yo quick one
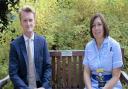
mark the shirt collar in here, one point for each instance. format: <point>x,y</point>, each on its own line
<point>104,42</point>
<point>26,38</point>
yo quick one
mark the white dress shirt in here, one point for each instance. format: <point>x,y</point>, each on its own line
<point>31,43</point>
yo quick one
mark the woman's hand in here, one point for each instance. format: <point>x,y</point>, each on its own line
<point>87,79</point>
<point>115,77</point>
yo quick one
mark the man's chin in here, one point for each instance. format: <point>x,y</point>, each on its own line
<point>29,31</point>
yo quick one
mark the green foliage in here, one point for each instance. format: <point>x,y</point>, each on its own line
<point>6,13</point>
<point>65,23</point>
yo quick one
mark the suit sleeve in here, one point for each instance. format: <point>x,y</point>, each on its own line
<point>13,69</point>
<point>46,67</point>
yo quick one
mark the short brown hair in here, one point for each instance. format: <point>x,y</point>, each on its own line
<point>105,27</point>
<point>26,9</point>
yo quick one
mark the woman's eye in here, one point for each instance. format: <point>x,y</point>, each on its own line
<point>99,24</point>
<point>93,25</point>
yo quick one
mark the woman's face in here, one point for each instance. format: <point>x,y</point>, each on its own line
<point>97,29</point>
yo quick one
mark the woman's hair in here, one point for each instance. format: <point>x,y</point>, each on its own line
<point>105,27</point>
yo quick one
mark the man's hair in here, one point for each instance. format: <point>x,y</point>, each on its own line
<point>105,27</point>
<point>26,9</point>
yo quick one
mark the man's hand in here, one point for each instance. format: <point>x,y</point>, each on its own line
<point>40,88</point>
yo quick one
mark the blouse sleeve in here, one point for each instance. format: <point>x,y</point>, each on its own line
<point>117,56</point>
<point>85,60</point>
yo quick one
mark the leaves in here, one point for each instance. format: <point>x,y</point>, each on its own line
<point>65,23</point>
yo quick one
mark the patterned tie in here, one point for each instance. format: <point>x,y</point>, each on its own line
<point>31,67</point>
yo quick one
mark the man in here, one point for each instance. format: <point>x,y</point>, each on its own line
<point>29,60</point>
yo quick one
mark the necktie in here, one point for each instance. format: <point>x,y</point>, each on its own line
<point>31,67</point>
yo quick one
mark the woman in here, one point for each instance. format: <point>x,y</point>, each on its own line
<point>103,58</point>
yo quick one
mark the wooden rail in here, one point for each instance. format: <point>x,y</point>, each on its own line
<point>67,70</point>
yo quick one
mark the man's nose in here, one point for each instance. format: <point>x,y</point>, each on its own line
<point>28,23</point>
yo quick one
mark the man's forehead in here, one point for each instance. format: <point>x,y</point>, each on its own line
<point>27,14</point>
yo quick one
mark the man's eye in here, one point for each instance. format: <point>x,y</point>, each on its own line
<point>25,20</point>
<point>30,20</point>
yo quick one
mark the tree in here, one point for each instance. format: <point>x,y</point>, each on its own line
<point>6,16</point>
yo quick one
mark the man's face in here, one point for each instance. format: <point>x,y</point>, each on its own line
<point>27,21</point>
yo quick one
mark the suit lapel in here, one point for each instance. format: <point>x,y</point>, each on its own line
<point>23,49</point>
<point>36,47</point>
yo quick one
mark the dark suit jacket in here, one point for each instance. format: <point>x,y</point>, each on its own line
<point>18,63</point>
